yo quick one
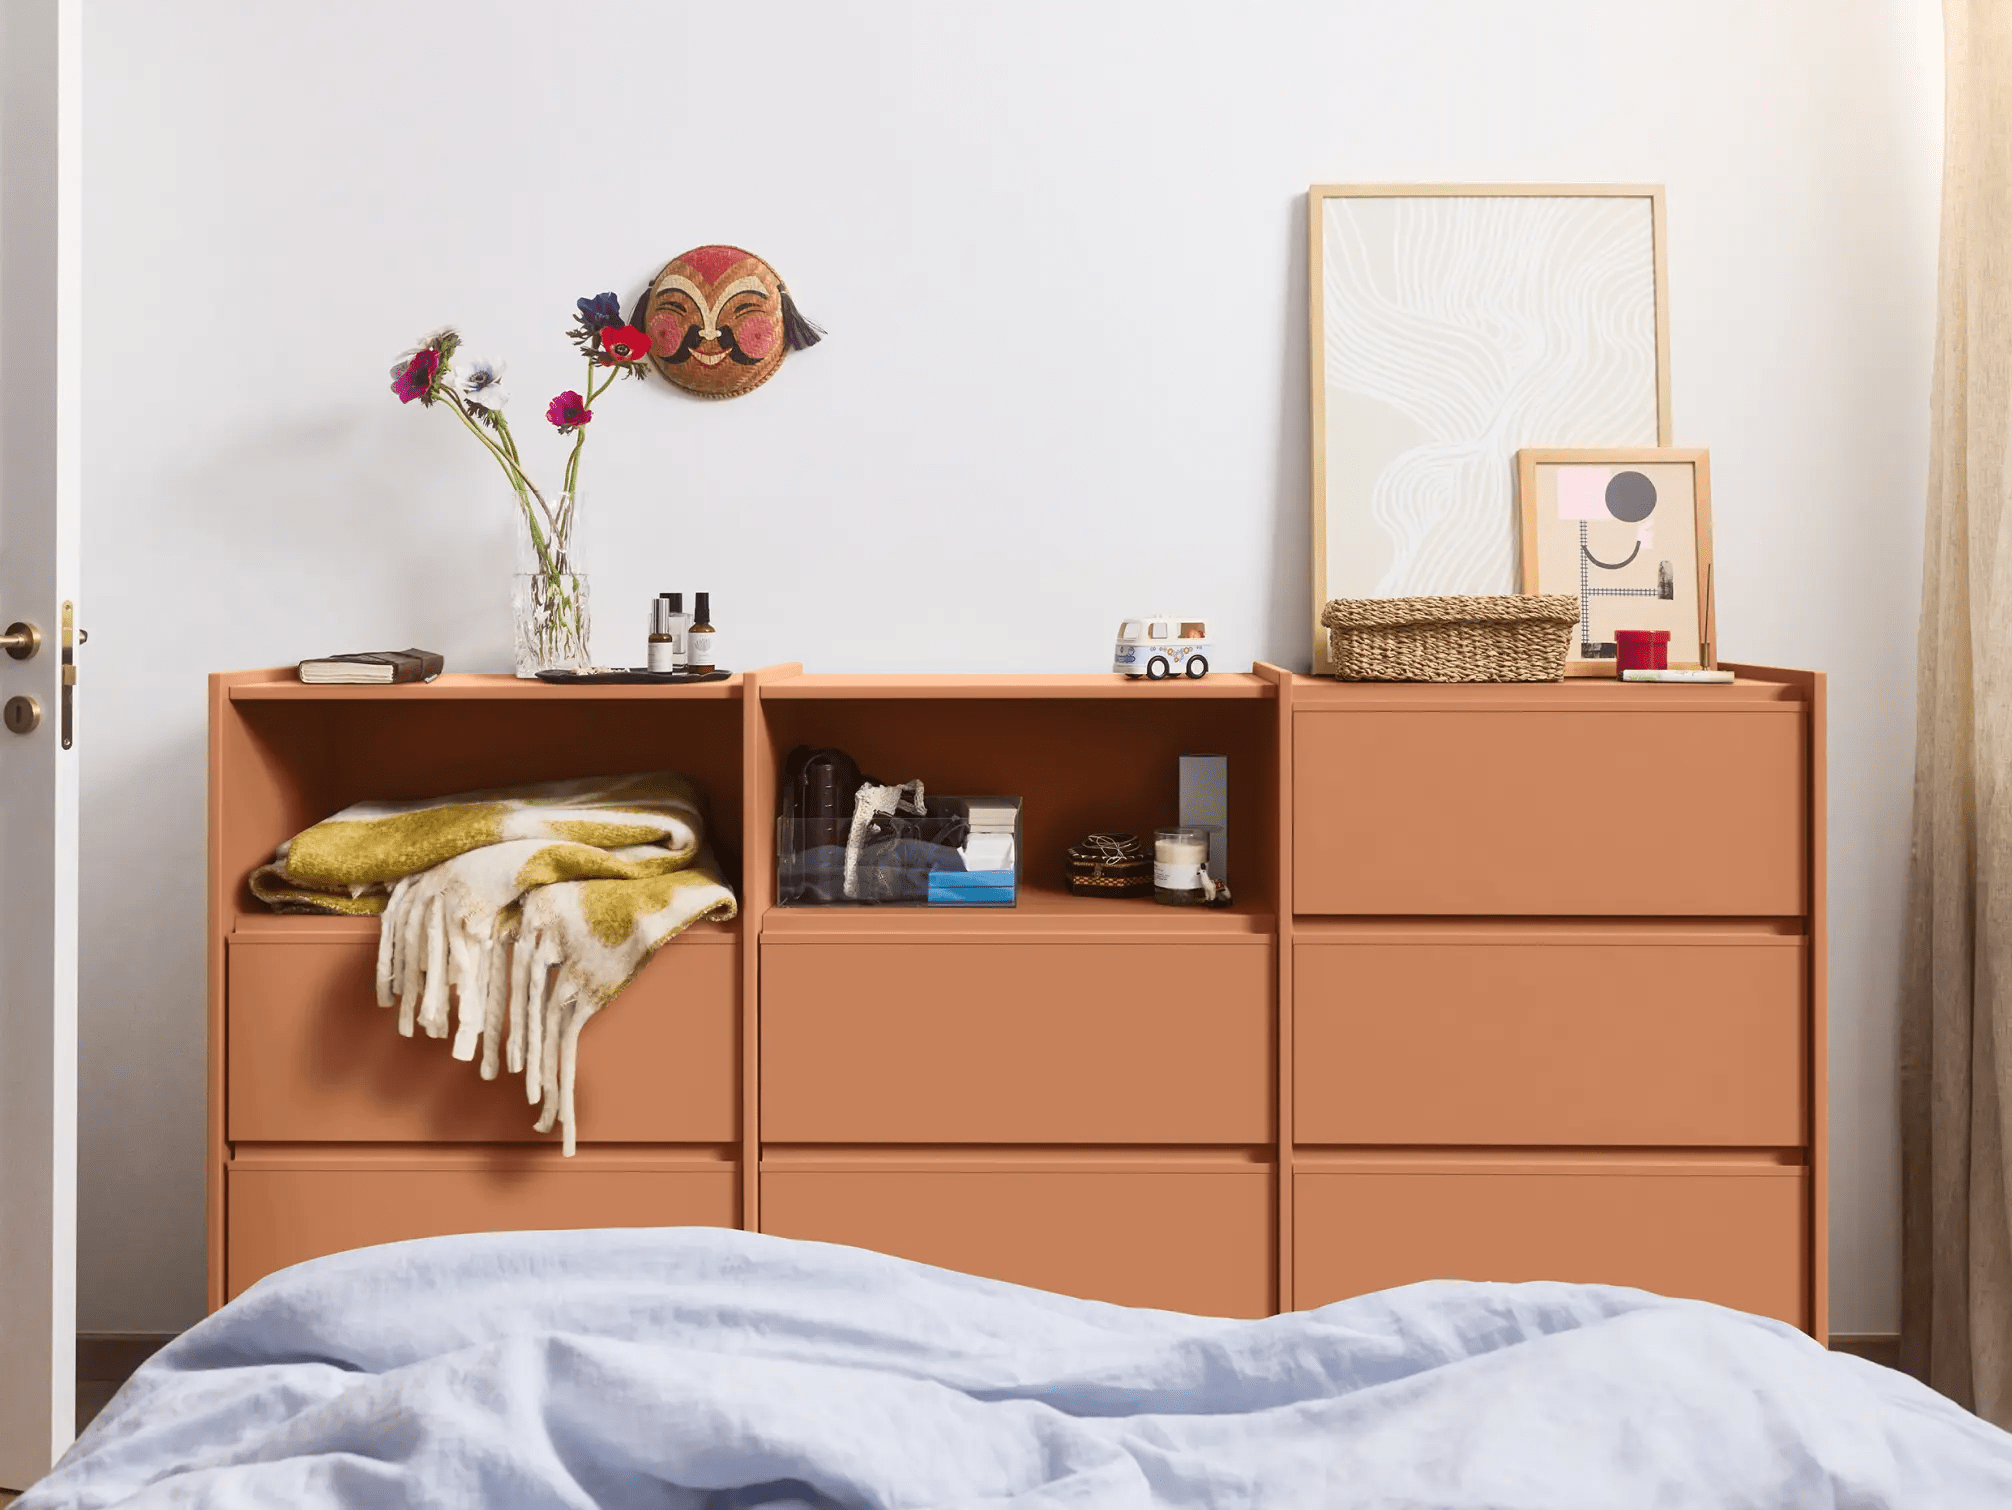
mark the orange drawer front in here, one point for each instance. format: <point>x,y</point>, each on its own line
<point>280,1216</point>
<point>313,1058</point>
<point>1726,1233</point>
<point>1550,1041</point>
<point>1197,1241</point>
<point>1486,812</point>
<point>1016,1043</point>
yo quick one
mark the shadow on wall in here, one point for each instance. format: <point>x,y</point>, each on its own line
<point>141,1037</point>
<point>306,536</point>
<point>1289,596</point>
<point>401,537</point>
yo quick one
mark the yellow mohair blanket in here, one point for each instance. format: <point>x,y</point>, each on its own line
<point>533,905</point>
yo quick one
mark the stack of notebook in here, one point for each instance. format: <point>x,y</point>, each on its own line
<point>989,869</point>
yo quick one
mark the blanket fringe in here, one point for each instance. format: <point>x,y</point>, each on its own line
<point>508,992</point>
<point>495,994</point>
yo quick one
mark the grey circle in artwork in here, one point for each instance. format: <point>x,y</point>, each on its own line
<point>1630,497</point>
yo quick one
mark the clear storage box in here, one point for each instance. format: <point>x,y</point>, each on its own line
<point>955,852</point>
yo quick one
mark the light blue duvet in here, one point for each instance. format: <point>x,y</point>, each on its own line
<point>700,1368</point>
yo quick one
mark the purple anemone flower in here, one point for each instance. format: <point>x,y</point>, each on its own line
<point>600,311</point>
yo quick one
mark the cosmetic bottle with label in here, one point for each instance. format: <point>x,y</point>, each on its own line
<point>663,642</point>
<point>699,638</point>
<point>681,623</point>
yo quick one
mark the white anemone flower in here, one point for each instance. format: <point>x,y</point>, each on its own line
<point>480,382</point>
<point>436,340</point>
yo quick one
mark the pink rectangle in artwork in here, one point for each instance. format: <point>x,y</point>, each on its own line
<point>1582,492</point>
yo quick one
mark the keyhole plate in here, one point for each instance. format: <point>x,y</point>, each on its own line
<point>24,715</point>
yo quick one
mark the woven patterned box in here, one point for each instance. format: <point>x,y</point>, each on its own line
<point>1110,865</point>
<point>1477,639</point>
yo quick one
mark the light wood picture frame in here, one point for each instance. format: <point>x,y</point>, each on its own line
<point>1627,530</point>
<point>1450,325</point>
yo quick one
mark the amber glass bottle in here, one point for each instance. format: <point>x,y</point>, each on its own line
<point>699,638</point>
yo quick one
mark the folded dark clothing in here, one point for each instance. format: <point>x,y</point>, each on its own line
<point>813,875</point>
<point>897,870</point>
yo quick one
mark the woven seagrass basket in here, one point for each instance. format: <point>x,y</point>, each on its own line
<point>1505,639</point>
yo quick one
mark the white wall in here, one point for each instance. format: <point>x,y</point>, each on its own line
<point>1060,251</point>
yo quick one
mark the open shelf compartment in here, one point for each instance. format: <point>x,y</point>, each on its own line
<point>1093,753</point>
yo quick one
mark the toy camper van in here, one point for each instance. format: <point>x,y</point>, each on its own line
<point>1159,648</point>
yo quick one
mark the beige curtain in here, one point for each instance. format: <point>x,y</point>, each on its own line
<point>1956,1036</point>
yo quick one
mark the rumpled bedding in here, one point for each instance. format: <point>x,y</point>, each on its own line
<point>701,1369</point>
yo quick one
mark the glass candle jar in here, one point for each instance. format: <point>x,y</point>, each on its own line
<point>1642,649</point>
<point>1180,864</point>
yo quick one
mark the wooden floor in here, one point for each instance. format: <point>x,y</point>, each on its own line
<point>104,1362</point>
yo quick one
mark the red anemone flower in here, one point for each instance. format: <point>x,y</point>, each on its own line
<point>621,344</point>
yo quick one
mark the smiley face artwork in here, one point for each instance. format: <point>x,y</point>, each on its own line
<point>720,321</point>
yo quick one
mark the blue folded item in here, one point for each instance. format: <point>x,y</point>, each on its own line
<point>974,896</point>
<point>971,888</point>
<point>970,880</point>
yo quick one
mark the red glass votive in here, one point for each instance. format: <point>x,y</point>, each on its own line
<point>1642,649</point>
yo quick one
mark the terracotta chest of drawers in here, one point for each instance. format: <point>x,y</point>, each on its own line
<point>1521,981</point>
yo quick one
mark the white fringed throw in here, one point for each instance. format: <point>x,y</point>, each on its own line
<point>530,906</point>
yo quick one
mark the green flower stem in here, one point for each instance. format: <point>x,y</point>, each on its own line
<point>580,434</point>
<point>509,463</point>
<point>525,489</point>
<point>557,613</point>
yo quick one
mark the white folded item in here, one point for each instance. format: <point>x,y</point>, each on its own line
<point>988,852</point>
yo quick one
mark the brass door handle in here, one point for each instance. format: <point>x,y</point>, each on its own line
<point>21,640</point>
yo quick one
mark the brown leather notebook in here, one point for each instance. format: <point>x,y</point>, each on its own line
<point>366,666</point>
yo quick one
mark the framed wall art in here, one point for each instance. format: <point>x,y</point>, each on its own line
<point>1628,531</point>
<point>1452,326</point>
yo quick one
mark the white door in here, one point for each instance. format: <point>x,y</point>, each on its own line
<point>39,732</point>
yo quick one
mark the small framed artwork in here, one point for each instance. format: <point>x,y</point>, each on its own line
<point>1628,531</point>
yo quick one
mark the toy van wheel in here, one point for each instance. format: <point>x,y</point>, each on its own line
<point>1156,669</point>
<point>1198,665</point>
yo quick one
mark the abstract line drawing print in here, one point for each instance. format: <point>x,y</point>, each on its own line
<point>1456,330</point>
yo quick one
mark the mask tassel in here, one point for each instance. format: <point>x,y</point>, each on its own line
<point>796,330</point>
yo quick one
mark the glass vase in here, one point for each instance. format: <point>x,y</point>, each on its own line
<point>548,598</point>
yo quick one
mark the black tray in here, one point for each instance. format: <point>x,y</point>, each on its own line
<point>632,674</point>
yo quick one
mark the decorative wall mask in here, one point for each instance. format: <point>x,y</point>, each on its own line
<point>720,321</point>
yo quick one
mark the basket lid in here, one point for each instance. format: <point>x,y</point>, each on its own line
<point>1393,613</point>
